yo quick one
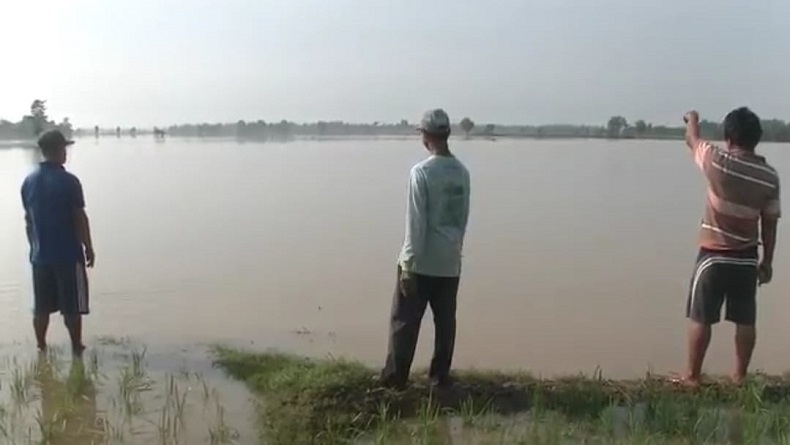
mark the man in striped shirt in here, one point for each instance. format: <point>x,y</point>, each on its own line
<point>742,206</point>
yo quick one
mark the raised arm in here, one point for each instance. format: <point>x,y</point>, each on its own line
<point>701,149</point>
<point>692,130</point>
<point>82,223</point>
<point>416,220</point>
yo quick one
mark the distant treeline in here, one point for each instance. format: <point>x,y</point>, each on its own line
<point>616,128</point>
<point>32,124</point>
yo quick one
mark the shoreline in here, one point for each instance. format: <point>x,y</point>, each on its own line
<point>304,398</point>
<point>280,398</point>
<point>11,144</point>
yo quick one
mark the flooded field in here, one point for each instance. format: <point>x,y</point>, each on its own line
<point>578,256</point>
<point>118,394</point>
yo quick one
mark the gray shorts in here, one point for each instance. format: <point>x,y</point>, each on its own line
<point>724,277</point>
<point>60,288</point>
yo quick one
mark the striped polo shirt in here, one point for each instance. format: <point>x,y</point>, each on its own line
<point>742,188</point>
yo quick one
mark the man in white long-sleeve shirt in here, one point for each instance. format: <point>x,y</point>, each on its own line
<point>429,265</point>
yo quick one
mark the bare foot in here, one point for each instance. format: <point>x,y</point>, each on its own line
<point>77,350</point>
<point>685,381</point>
<point>738,380</point>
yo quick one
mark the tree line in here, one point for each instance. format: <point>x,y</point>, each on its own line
<point>617,127</point>
<point>33,124</point>
<point>774,130</point>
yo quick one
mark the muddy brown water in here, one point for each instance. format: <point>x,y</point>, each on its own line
<point>578,254</point>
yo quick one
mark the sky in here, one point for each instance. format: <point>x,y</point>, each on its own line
<point>148,62</point>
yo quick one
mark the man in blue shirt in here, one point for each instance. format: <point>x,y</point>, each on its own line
<point>60,241</point>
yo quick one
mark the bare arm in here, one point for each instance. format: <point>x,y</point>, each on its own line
<point>692,130</point>
<point>768,232</point>
<point>29,228</point>
<point>702,151</point>
<point>83,228</point>
<point>82,225</point>
<point>768,221</point>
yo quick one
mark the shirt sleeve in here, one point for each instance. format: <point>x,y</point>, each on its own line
<point>416,220</point>
<point>466,200</point>
<point>773,207</point>
<point>77,197</point>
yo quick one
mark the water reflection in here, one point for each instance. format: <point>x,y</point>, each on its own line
<point>69,413</point>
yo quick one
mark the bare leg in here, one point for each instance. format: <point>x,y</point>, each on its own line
<point>40,326</point>
<point>698,341</point>
<point>745,338</point>
<point>74,326</point>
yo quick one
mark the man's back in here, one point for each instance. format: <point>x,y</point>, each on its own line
<point>441,185</point>
<point>742,188</point>
<point>51,196</point>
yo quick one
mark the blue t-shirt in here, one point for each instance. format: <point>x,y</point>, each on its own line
<point>51,195</point>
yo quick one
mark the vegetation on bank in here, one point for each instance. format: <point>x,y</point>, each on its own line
<point>336,401</point>
<point>33,124</point>
<point>617,127</point>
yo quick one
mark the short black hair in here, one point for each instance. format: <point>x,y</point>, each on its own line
<point>444,136</point>
<point>742,128</point>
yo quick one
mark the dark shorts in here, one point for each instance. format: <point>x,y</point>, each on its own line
<point>724,277</point>
<point>60,288</point>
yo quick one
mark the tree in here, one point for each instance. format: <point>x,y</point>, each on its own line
<point>241,129</point>
<point>66,127</point>
<point>615,127</point>
<point>38,111</point>
<point>641,128</point>
<point>467,125</point>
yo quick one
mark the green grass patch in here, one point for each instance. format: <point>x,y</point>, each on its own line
<point>339,401</point>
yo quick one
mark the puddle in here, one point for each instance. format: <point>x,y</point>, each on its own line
<point>120,393</point>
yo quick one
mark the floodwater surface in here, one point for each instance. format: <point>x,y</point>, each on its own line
<point>578,254</point>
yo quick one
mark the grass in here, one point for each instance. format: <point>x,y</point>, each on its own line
<point>308,401</point>
<point>109,397</point>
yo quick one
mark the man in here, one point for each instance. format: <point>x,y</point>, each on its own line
<point>60,241</point>
<point>429,265</point>
<point>742,204</point>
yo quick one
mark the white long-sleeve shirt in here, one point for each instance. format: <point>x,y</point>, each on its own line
<point>437,213</point>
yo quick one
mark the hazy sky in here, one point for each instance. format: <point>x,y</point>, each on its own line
<point>148,62</point>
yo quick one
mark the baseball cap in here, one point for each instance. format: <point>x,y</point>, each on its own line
<point>435,121</point>
<point>53,139</point>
